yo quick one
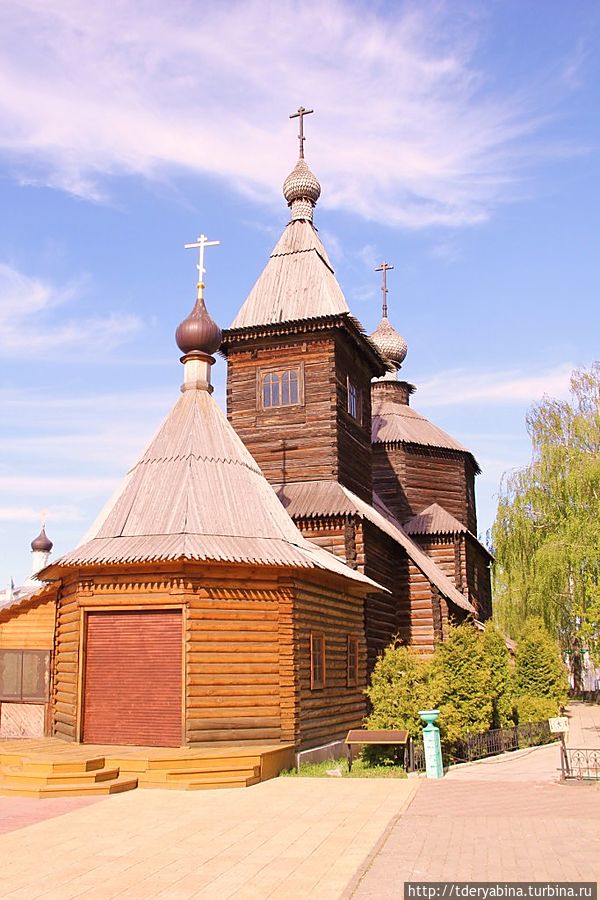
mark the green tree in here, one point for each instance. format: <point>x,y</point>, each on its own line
<point>547,531</point>
<point>499,674</point>
<point>398,689</point>
<point>461,683</point>
<point>541,683</point>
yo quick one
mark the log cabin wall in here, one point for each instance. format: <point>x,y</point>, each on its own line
<point>239,676</point>
<point>327,713</point>
<point>387,616</point>
<point>289,443</point>
<point>318,438</point>
<point>355,455</point>
<point>425,475</point>
<point>29,629</point>
<point>425,623</point>
<point>478,577</point>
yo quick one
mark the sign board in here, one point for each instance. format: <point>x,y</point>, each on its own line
<point>558,724</point>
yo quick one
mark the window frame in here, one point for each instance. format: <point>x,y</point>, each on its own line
<point>354,399</point>
<point>317,640</point>
<point>352,656</point>
<point>22,696</point>
<point>279,372</point>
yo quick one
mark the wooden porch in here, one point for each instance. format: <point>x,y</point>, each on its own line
<point>50,767</point>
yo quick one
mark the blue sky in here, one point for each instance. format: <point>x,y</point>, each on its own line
<point>459,141</point>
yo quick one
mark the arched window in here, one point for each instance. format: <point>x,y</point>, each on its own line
<point>280,388</point>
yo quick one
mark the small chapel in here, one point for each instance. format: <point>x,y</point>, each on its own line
<point>238,588</point>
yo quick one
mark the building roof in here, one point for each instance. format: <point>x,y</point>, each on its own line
<point>13,600</point>
<point>297,283</point>
<point>396,422</point>
<point>196,493</point>
<point>434,520</point>
<point>311,499</point>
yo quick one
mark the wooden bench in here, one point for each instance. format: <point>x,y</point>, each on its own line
<point>383,736</point>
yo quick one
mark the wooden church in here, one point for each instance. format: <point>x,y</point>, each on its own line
<point>239,586</point>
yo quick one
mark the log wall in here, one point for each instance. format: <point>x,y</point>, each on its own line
<point>316,439</point>
<point>328,713</point>
<point>408,479</point>
<point>31,629</point>
<point>247,659</point>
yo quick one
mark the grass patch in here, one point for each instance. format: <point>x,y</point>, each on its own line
<point>360,769</point>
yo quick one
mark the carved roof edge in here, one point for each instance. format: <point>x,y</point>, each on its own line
<point>345,321</point>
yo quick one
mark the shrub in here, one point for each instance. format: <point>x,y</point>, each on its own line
<point>540,673</point>
<point>398,689</point>
<point>461,683</point>
<point>534,709</point>
<point>500,677</point>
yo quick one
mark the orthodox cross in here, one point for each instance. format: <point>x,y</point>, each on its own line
<point>201,242</point>
<point>384,268</point>
<point>300,115</point>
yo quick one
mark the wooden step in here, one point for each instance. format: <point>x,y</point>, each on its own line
<point>204,783</point>
<point>197,771</point>
<point>9,788</point>
<point>184,762</point>
<point>48,766</point>
<point>25,777</point>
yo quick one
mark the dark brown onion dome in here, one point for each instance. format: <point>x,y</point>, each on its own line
<point>199,333</point>
<point>42,542</point>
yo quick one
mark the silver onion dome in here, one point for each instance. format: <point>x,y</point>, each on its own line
<point>390,343</point>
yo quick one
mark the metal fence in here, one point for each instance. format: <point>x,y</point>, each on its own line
<point>488,743</point>
<point>579,764</point>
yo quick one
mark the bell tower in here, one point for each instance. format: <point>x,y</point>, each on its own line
<point>299,364</point>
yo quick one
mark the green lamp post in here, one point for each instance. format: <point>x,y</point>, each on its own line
<point>434,766</point>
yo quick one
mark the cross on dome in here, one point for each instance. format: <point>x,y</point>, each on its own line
<point>300,115</point>
<point>384,268</point>
<point>200,243</point>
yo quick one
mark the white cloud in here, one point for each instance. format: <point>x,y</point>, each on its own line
<point>461,386</point>
<point>64,513</point>
<point>408,133</point>
<point>29,320</point>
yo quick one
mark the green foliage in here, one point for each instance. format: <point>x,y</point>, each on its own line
<point>547,531</point>
<point>360,769</point>
<point>460,676</point>
<point>534,709</point>
<point>399,689</point>
<point>541,683</point>
<point>499,674</point>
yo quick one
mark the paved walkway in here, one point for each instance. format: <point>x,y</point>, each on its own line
<point>501,819</point>
<point>287,838</point>
<point>506,818</point>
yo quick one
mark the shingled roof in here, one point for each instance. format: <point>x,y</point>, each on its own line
<point>297,283</point>
<point>310,499</point>
<point>435,520</point>
<point>395,422</point>
<point>196,493</point>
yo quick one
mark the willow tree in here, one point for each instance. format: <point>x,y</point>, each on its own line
<point>547,531</point>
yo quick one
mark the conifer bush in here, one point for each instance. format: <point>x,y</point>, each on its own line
<point>399,689</point>
<point>500,676</point>
<point>541,683</point>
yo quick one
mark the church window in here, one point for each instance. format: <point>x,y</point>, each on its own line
<point>280,388</point>
<point>24,676</point>
<point>317,661</point>
<point>352,661</point>
<point>354,401</point>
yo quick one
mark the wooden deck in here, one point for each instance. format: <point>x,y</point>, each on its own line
<point>50,767</point>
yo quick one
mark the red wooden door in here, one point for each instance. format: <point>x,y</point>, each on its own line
<point>133,678</point>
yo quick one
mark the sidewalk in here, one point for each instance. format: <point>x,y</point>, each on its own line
<point>501,819</point>
<point>288,838</point>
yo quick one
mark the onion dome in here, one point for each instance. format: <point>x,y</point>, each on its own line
<point>301,190</point>
<point>199,333</point>
<point>42,542</point>
<point>390,343</point>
